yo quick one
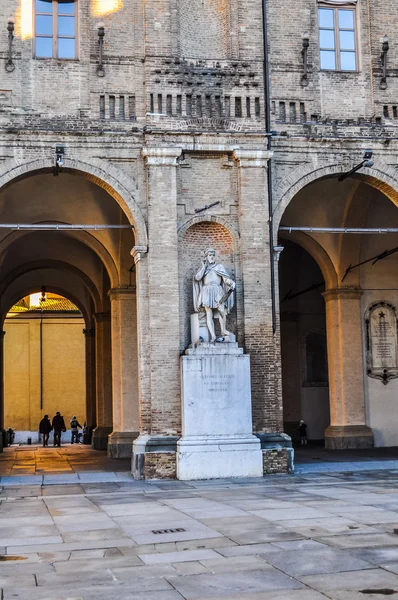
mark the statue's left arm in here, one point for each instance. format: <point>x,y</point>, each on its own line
<point>228,283</point>
<point>226,277</point>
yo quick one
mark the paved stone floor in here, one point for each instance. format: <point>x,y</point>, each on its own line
<point>70,461</point>
<point>306,537</point>
<point>314,459</point>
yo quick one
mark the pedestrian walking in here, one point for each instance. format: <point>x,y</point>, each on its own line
<point>58,426</point>
<point>303,432</point>
<point>74,425</point>
<point>45,428</point>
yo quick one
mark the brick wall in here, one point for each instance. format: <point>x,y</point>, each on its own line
<point>275,461</point>
<point>204,29</point>
<point>160,465</point>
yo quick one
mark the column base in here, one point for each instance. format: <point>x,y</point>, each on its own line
<point>278,453</point>
<point>100,438</point>
<point>211,457</point>
<point>120,444</point>
<point>154,457</point>
<point>348,437</point>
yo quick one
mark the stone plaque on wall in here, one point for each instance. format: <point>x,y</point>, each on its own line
<point>381,341</point>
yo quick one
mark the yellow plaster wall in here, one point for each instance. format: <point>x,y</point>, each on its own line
<point>64,386</point>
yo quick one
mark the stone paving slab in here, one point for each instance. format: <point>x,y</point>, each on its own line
<point>301,594</point>
<point>313,562</point>
<point>175,557</point>
<point>232,585</point>
<point>148,592</point>
<point>379,556</point>
<point>354,580</point>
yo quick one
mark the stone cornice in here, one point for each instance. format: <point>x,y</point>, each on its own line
<point>122,293</point>
<point>348,293</point>
<point>252,158</point>
<point>102,317</point>
<point>161,157</point>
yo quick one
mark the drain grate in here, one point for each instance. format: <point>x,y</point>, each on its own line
<point>2,558</point>
<point>160,531</point>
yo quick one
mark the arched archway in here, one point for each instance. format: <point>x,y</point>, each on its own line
<point>90,267</point>
<point>305,384</point>
<point>382,178</point>
<point>358,270</point>
<point>108,177</point>
<point>44,350</point>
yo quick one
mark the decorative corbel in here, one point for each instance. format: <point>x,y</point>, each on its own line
<point>138,252</point>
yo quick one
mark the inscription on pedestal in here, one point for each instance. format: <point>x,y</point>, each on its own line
<point>217,384</point>
<point>381,341</point>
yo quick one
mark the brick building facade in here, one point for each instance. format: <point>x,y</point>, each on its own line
<point>163,127</point>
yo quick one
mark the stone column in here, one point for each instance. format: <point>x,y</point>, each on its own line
<point>158,321</point>
<point>89,335</point>
<point>124,372</point>
<point>103,360</point>
<point>2,430</point>
<point>348,427</point>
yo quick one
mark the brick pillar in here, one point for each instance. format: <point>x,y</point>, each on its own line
<point>124,372</point>
<point>255,257</point>
<point>260,341</point>
<point>348,427</point>
<point>103,356</point>
<point>158,320</point>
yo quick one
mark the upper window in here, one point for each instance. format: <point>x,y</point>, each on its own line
<point>55,28</point>
<point>337,39</point>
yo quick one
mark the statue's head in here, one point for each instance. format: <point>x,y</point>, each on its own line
<point>210,256</point>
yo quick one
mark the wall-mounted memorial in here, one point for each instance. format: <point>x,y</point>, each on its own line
<point>381,341</point>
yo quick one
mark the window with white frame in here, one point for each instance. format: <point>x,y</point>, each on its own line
<point>337,38</point>
<point>55,29</point>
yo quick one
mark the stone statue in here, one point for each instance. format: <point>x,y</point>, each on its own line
<point>213,290</point>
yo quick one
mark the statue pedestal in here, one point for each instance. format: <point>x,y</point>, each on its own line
<point>217,439</point>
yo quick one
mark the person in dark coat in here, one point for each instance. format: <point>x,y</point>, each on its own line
<point>45,428</point>
<point>58,426</point>
<point>74,425</point>
<point>303,432</point>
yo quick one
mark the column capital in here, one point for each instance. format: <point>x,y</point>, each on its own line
<point>124,293</point>
<point>348,293</point>
<point>161,157</point>
<point>137,252</point>
<point>277,252</point>
<point>252,158</point>
<point>102,317</point>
